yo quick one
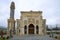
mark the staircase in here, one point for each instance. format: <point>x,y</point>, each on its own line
<point>32,37</point>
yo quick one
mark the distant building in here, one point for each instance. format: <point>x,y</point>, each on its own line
<point>30,22</point>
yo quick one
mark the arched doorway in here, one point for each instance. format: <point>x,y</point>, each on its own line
<point>31,29</point>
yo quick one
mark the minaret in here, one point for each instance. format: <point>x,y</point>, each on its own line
<point>12,9</point>
<point>11,20</point>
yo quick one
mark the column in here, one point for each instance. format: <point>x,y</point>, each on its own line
<point>34,30</point>
<point>27,29</point>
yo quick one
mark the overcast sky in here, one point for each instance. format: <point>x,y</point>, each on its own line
<point>50,8</point>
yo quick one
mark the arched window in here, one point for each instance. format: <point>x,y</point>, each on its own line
<point>25,29</point>
<point>25,22</point>
<point>37,21</point>
<point>37,29</point>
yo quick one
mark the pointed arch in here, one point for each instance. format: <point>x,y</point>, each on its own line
<point>25,29</point>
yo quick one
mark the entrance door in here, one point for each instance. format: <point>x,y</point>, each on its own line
<point>31,29</point>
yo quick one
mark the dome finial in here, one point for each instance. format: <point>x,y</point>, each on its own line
<point>12,5</point>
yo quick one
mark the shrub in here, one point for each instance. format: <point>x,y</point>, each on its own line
<point>56,37</point>
<point>7,37</point>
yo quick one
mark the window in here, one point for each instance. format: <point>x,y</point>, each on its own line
<point>25,29</point>
<point>37,21</point>
<point>25,21</point>
<point>37,29</point>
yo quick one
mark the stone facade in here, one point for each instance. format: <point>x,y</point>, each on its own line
<point>11,26</point>
<point>31,17</point>
<point>30,22</point>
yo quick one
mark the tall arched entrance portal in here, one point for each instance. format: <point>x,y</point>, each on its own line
<point>31,29</point>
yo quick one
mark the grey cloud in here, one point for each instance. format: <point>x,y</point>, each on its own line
<point>50,8</point>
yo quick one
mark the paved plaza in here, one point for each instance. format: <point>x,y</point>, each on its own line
<point>32,37</point>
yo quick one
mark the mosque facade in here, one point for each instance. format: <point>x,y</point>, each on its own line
<point>30,22</point>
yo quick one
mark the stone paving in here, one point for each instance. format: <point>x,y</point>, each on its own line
<point>32,37</point>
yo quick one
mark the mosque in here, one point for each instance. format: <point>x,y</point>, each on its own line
<point>30,22</point>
